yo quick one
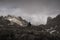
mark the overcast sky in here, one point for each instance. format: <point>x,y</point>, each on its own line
<point>35,11</point>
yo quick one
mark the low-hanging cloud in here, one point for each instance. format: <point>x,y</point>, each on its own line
<point>35,19</point>
<point>34,11</point>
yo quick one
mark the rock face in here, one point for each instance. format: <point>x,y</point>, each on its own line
<point>49,19</point>
<point>55,23</point>
<point>17,20</point>
<point>31,32</point>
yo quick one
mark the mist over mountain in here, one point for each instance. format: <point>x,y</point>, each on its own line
<point>19,29</point>
<point>33,11</point>
<point>29,19</point>
<point>16,28</point>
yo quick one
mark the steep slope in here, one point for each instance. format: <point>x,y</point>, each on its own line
<point>55,23</point>
<point>17,20</point>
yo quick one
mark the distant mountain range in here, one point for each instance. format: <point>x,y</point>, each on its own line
<point>16,20</point>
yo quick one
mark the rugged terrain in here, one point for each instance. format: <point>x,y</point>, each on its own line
<point>22,30</point>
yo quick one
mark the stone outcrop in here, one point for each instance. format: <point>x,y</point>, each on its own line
<point>17,20</point>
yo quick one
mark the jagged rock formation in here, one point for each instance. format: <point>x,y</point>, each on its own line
<point>55,23</point>
<point>49,19</point>
<point>17,20</point>
<point>11,29</point>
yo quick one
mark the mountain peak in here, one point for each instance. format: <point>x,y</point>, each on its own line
<point>17,20</point>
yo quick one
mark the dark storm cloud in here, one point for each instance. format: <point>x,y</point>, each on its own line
<point>35,11</point>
